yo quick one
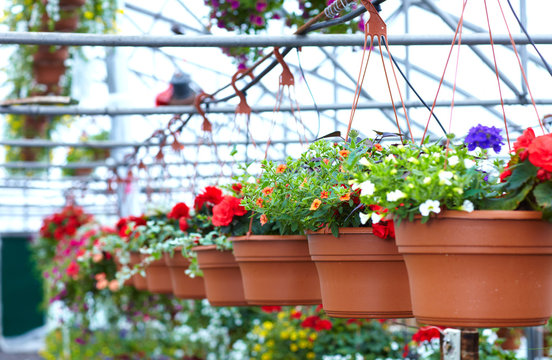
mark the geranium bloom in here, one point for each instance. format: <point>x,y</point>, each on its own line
<point>224,212</point>
<point>183,224</point>
<point>268,190</point>
<point>540,152</point>
<point>426,333</point>
<point>73,269</point>
<point>271,309</point>
<point>505,174</point>
<point>178,211</point>
<point>430,206</point>
<point>281,168</point>
<point>315,204</point>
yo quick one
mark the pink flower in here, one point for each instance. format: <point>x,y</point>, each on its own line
<point>261,6</point>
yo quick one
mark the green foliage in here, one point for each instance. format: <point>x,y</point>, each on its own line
<point>86,154</point>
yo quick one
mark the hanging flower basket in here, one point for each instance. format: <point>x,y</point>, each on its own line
<point>277,270</point>
<point>158,276</point>
<point>138,280</point>
<point>222,276</point>
<point>481,269</point>
<point>49,66</point>
<point>361,275</point>
<point>119,266</point>
<point>183,286</point>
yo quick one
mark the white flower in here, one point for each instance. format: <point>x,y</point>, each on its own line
<point>413,160</point>
<point>363,218</point>
<point>453,160</point>
<point>427,180</point>
<point>468,163</point>
<point>376,218</point>
<point>354,184</point>
<point>367,188</point>
<point>467,206</point>
<point>444,177</point>
<point>436,155</point>
<point>390,158</point>
<point>364,161</point>
<point>411,186</point>
<point>430,206</point>
<point>395,195</point>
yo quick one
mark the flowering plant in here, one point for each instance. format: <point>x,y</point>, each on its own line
<point>526,182</point>
<point>419,180</point>
<point>307,333</point>
<point>314,191</point>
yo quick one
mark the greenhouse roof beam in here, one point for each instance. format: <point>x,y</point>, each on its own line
<point>230,109</point>
<point>74,39</point>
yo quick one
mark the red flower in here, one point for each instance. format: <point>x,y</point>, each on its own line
<point>138,220</point>
<point>310,321</point>
<point>524,140</point>
<point>183,224</point>
<point>540,152</point>
<point>237,187</point>
<point>296,314</point>
<point>505,174</point>
<point>544,175</point>
<point>121,224</point>
<point>210,197</point>
<point>323,325</point>
<point>426,334</point>
<point>381,229</point>
<point>271,309</point>
<point>391,226</point>
<point>178,211</point>
<point>73,269</point>
<point>224,212</point>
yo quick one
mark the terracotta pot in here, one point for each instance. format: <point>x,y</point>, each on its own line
<point>44,54</point>
<point>48,73</point>
<point>361,275</point>
<point>184,287</point>
<point>222,276</point>
<point>479,269</point>
<point>277,270</point>
<point>138,280</point>
<point>70,4</point>
<point>68,24</point>
<point>119,266</point>
<point>158,276</point>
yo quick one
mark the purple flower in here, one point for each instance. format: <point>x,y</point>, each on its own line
<point>257,20</point>
<point>80,341</point>
<point>261,6</point>
<point>361,24</point>
<point>234,4</point>
<point>242,66</point>
<point>484,137</point>
<point>215,3</point>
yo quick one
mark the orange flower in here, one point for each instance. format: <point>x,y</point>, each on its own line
<point>263,219</point>
<point>260,202</point>
<point>303,183</point>
<point>114,285</point>
<point>326,161</point>
<point>324,195</point>
<point>268,190</point>
<point>315,204</point>
<point>345,197</point>
<point>281,168</point>
<point>344,153</point>
<point>378,147</point>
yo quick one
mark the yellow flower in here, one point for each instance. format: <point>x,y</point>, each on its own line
<point>284,335</point>
<point>293,347</point>
<point>89,15</point>
<point>270,343</point>
<point>302,334</point>
<point>293,336</point>
<point>257,347</point>
<point>281,315</point>
<point>266,356</point>
<point>311,355</point>
<point>268,325</point>
<point>303,344</point>
<point>313,336</point>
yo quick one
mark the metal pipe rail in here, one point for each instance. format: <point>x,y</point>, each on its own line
<point>230,109</point>
<point>52,38</point>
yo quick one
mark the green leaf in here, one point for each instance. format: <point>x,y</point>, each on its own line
<point>520,175</point>
<point>509,202</point>
<point>543,194</point>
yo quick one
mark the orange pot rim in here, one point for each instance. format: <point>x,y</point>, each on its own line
<point>269,238</point>
<point>205,248</point>
<point>343,230</point>
<point>489,215</point>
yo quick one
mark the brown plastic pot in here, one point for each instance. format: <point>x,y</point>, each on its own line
<point>222,276</point>
<point>158,276</point>
<point>138,280</point>
<point>361,275</point>
<point>480,269</point>
<point>277,270</point>
<point>183,286</point>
